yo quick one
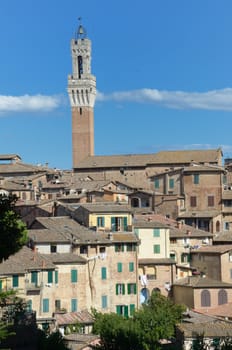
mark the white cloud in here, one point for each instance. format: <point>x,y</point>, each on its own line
<point>210,100</point>
<point>27,103</point>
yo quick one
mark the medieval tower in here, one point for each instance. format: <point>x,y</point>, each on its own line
<point>82,94</point>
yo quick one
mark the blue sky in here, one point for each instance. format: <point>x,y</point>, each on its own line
<point>163,70</point>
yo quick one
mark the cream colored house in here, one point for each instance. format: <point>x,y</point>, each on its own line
<point>156,270</point>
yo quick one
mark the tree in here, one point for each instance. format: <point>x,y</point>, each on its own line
<point>53,341</point>
<point>13,232</point>
<point>154,321</point>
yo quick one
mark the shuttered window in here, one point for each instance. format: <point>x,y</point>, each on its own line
<point>74,276</point>
<point>50,276</point>
<point>15,282</point>
<point>119,267</point>
<point>45,305</point>
<point>103,273</point>
<point>73,305</point>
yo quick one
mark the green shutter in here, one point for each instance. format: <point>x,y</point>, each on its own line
<point>123,289</point>
<point>125,223</point>
<point>116,289</point>
<point>29,305</point>
<point>0,284</point>
<point>56,277</point>
<point>73,305</point>
<point>119,267</point>
<point>171,183</point>
<point>156,248</point>
<point>132,309</point>
<point>45,305</point>
<point>104,301</point>
<point>34,277</point>
<point>50,276</point>
<point>126,311</point>
<point>131,266</point>
<point>113,221</point>
<point>156,183</point>
<point>103,273</point>
<point>118,309</point>
<point>15,282</point>
<point>156,232</point>
<point>73,276</point>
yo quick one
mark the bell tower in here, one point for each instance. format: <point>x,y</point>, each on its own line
<point>82,94</point>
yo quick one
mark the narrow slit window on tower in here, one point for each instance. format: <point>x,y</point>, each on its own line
<point>80,66</point>
<point>80,111</point>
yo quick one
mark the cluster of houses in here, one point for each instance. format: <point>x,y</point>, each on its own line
<point>111,231</point>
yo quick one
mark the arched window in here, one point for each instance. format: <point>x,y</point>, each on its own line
<point>222,297</point>
<point>144,295</point>
<point>205,298</point>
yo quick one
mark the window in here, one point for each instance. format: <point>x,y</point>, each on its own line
<point>156,183</point>
<point>119,267</point>
<point>185,258</point>
<point>226,226</point>
<point>34,277</point>
<point>53,248</point>
<point>83,249</point>
<point>74,276</point>
<point>222,297</point>
<point>122,310</point>
<point>156,249</point>
<point>173,256</point>
<point>173,240</point>
<point>29,305</point>
<point>120,288</point>
<point>196,179</point>
<point>171,183</point>
<point>130,247</point>
<point>104,301</point>
<point>131,266</point>
<point>57,305</point>
<point>15,281</point>
<point>73,305</point>
<point>132,309</point>
<point>119,247</point>
<point>131,288</point>
<point>100,221</point>
<point>231,273</point>
<point>210,201</point>
<point>103,273</point>
<point>193,201</point>
<point>45,305</point>
<point>156,232</point>
<point>50,276</point>
<point>205,298</point>
<point>56,277</point>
